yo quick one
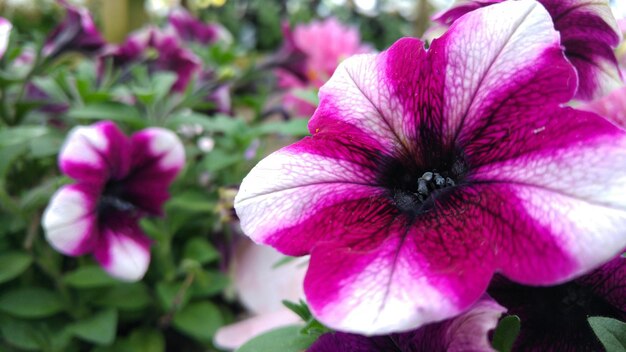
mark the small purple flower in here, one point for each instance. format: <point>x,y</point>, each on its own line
<point>5,32</point>
<point>466,332</point>
<point>119,180</point>
<point>430,170</point>
<point>156,49</point>
<point>589,33</point>
<point>555,318</point>
<point>190,29</point>
<point>77,32</point>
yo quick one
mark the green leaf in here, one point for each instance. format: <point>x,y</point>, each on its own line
<point>125,296</point>
<point>99,328</point>
<point>218,123</point>
<point>21,134</point>
<point>199,320</point>
<point>218,160</point>
<point>200,250</point>
<point>31,302</point>
<point>21,334</point>
<point>192,201</point>
<point>506,332</point>
<point>89,277</point>
<point>611,332</point>
<point>146,340</point>
<point>209,283</point>
<point>286,339</point>
<point>162,83</point>
<point>13,264</point>
<point>167,291</point>
<point>300,308</point>
<point>295,127</point>
<point>109,111</point>
<point>308,95</point>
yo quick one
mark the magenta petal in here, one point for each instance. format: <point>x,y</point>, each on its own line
<point>122,248</point>
<point>70,221</point>
<point>589,34</point>
<point>467,332</point>
<point>157,158</point>
<point>77,32</point>
<point>96,153</point>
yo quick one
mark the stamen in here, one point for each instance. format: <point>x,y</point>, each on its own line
<point>431,181</point>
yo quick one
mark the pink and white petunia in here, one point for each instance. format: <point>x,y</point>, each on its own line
<point>589,34</point>
<point>156,49</point>
<point>429,170</point>
<point>77,32</point>
<point>5,32</point>
<point>118,181</point>
<point>466,332</point>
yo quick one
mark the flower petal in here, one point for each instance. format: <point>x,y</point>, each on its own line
<point>94,154</point>
<point>609,282</point>
<point>589,34</point>
<point>502,59</point>
<point>467,332</point>
<point>122,249</point>
<point>261,287</point>
<point>234,335</point>
<point>70,222</point>
<point>280,198</point>
<point>570,178</point>
<point>158,156</point>
<point>399,276</point>
<point>612,106</point>
<point>5,32</point>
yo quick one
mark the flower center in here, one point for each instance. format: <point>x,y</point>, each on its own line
<point>112,200</point>
<point>413,190</point>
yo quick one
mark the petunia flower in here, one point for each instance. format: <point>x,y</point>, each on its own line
<point>555,318</point>
<point>118,181</point>
<point>589,34</point>
<point>158,50</point>
<point>466,332</point>
<point>312,52</point>
<point>261,285</point>
<point>191,29</point>
<point>429,170</point>
<point>5,32</point>
<point>612,106</point>
<point>77,32</point>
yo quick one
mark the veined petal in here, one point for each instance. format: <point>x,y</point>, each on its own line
<point>5,32</point>
<point>609,282</point>
<point>589,34</point>
<point>96,153</point>
<point>158,156</point>
<point>466,332</point>
<point>570,177</point>
<point>295,190</point>
<point>122,248</point>
<point>70,222</point>
<point>612,106</point>
<point>501,58</point>
<point>400,275</point>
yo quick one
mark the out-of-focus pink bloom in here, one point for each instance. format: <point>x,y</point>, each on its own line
<point>612,106</point>
<point>5,32</point>
<point>77,32</point>
<point>119,180</point>
<point>158,51</point>
<point>261,286</point>
<point>191,29</point>
<point>312,52</point>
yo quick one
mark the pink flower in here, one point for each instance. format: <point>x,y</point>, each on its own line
<point>158,50</point>
<point>5,32</point>
<point>77,32</point>
<point>317,49</point>
<point>260,288</point>
<point>427,171</point>
<point>118,181</point>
